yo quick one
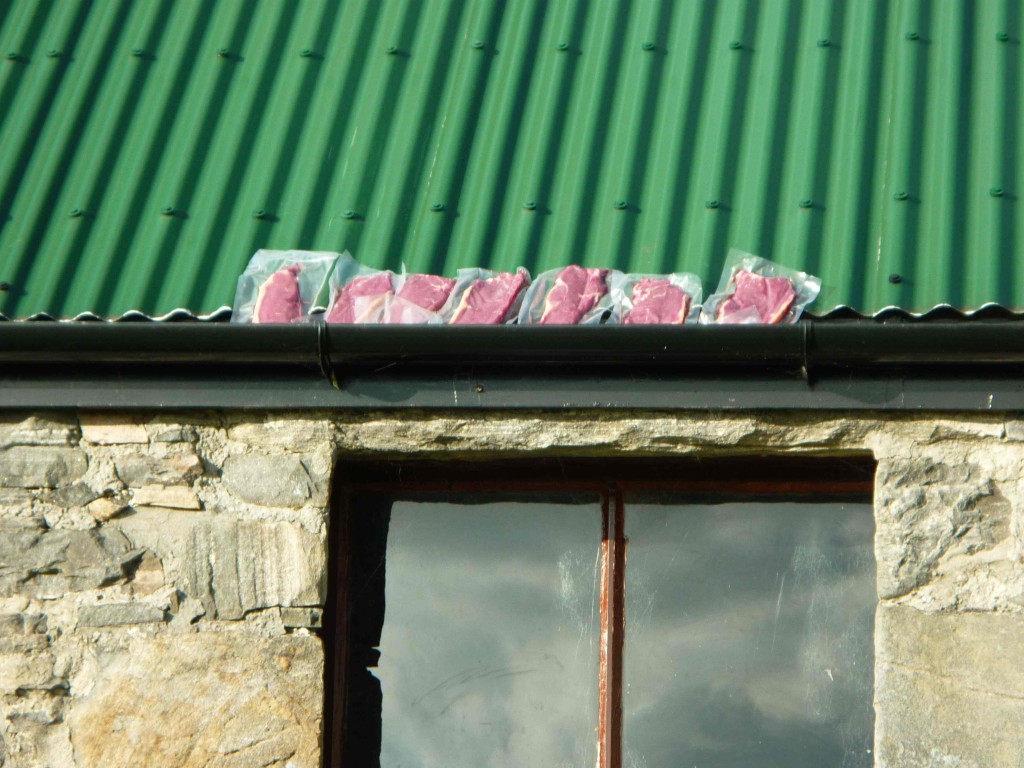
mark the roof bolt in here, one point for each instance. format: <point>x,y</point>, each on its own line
<point>895,279</point>
<point>223,52</point>
<point>391,50</point>
<point>562,46</point>
<point>76,213</point>
<point>167,210</point>
<point>824,42</point>
<point>349,214</point>
<point>806,203</point>
<point>620,205</point>
<point>913,35</point>
<point>5,287</point>
<point>735,45</point>
<point>901,196</point>
<point>259,213</point>
<point>53,53</point>
<point>477,44</point>
<point>13,56</point>
<point>996,191</point>
<point>648,46</point>
<point>1002,37</point>
<point>138,53</point>
<point>437,207</point>
<point>530,205</point>
<point>306,53</point>
<point>711,204</point>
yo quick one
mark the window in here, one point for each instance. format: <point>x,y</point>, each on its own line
<point>620,615</point>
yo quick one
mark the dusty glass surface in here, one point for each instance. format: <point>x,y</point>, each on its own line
<point>489,648</point>
<point>749,635</point>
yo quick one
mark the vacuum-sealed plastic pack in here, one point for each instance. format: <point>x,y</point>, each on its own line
<point>281,286</point>
<point>655,299</point>
<point>570,295</point>
<point>757,291</point>
<point>419,299</point>
<point>358,293</point>
<point>484,297</point>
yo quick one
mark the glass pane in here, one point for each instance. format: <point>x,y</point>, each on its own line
<point>489,646</point>
<point>749,635</point>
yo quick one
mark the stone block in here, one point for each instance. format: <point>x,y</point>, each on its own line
<point>235,567</point>
<point>117,614</point>
<point>166,432</point>
<point>294,618</point>
<point>38,429</point>
<point>48,564</point>
<point>166,465</point>
<point>104,509</point>
<point>18,508</point>
<point>104,429</point>
<point>172,497</point>
<point>949,688</point>
<point>273,481</point>
<point>295,434</point>
<point>41,466</point>
<point>208,699</point>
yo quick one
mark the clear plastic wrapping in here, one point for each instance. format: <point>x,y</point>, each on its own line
<point>419,299</point>
<point>281,286</point>
<point>358,293</point>
<point>658,299</point>
<point>483,297</point>
<point>753,290</point>
<point>570,295</point>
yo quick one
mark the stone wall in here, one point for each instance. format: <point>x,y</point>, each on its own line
<point>162,578</point>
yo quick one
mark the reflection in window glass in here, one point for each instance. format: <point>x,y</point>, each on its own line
<point>489,646</point>
<point>749,633</point>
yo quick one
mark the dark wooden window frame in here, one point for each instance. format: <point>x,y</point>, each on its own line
<point>849,477</point>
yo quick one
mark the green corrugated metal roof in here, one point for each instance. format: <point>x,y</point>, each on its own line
<point>854,140</point>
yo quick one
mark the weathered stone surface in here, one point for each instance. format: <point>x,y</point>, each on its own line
<point>114,614</point>
<point>168,432</point>
<point>40,466</point>
<point>18,508</point>
<point>275,481</point>
<point>22,633</point>
<point>301,617</point>
<point>204,700</point>
<point>173,497</point>
<point>106,429</point>
<point>104,509</point>
<point>38,429</point>
<point>924,508</point>
<point>47,564</point>
<point>298,435</point>
<point>235,567</point>
<point>166,465</point>
<point>949,689</point>
<point>74,495</point>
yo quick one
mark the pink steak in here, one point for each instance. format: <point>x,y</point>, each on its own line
<point>658,302</point>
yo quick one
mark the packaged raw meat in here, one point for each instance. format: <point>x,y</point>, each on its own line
<point>570,295</point>
<point>281,286</point>
<point>418,300</point>
<point>757,291</point>
<point>482,297</point>
<point>655,299</point>
<point>358,293</point>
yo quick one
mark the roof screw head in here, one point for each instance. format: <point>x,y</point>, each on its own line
<point>76,213</point>
<point>901,196</point>
<point>138,53</point>
<point>1003,37</point>
<point>306,53</point>
<point>895,279</point>
<point>391,50</point>
<point>437,207</point>
<point>167,210</point>
<point>13,56</point>
<point>620,205</point>
<point>647,46</point>
<point>806,203</point>
<point>259,213</point>
<point>735,44</point>
<point>477,44</point>
<point>349,214</point>
<point>996,191</point>
<point>562,46</point>
<point>711,204</point>
<point>824,42</point>
<point>913,35</point>
<point>530,205</point>
<point>223,52</point>
<point>53,53</point>
<point>5,287</point>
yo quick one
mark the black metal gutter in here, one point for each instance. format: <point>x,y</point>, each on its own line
<point>837,365</point>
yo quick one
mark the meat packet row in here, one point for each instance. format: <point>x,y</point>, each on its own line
<point>572,295</point>
<point>363,295</point>
<point>655,299</point>
<point>754,290</point>
<point>281,286</point>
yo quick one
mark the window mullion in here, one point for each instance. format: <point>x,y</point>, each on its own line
<point>613,577</point>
